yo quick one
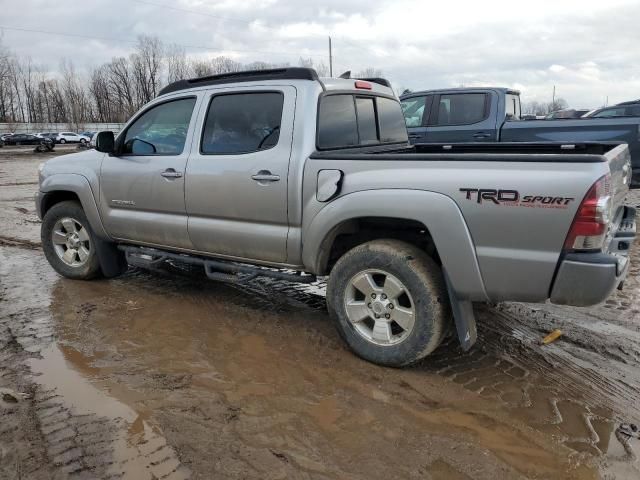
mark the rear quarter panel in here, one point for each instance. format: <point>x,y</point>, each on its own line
<point>517,245</point>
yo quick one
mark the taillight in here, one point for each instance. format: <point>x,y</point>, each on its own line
<point>363,85</point>
<point>589,228</point>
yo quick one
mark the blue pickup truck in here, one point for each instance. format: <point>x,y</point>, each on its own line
<point>462,115</point>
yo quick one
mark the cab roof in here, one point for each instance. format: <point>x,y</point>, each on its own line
<point>378,85</point>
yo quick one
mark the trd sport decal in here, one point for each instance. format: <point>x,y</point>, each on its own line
<point>513,198</point>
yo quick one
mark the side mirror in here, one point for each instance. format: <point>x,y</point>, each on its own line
<point>105,141</point>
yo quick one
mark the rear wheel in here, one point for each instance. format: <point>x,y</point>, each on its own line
<point>68,241</point>
<point>62,140</point>
<point>389,302</point>
<point>83,141</point>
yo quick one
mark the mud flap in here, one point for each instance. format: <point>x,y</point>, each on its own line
<point>463,316</point>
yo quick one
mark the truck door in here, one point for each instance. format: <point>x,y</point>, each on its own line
<point>142,186</point>
<point>462,117</point>
<point>236,184</point>
<point>416,113</point>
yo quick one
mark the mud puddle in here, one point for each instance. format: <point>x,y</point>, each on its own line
<point>253,382</point>
<point>135,450</point>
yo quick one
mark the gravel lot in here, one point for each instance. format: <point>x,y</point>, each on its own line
<point>154,375</point>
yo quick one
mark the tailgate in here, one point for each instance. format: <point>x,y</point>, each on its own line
<point>619,161</point>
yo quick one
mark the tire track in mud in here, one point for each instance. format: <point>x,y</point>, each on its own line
<point>66,438</point>
<point>550,388</point>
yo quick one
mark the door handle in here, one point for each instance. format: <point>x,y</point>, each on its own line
<point>414,135</point>
<point>481,135</point>
<point>171,173</point>
<point>265,176</point>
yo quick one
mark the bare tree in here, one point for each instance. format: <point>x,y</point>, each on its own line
<point>321,68</point>
<point>77,102</point>
<point>544,108</point>
<point>557,104</point>
<point>201,68</point>
<point>224,65</point>
<point>369,72</point>
<point>146,64</point>
<point>177,65</point>
<point>121,88</point>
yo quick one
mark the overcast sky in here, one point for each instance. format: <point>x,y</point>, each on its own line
<point>588,49</point>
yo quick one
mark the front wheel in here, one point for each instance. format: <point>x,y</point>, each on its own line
<point>68,241</point>
<point>389,301</point>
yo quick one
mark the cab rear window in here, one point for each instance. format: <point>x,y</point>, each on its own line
<point>346,120</point>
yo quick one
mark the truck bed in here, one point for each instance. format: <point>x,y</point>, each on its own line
<point>521,230</point>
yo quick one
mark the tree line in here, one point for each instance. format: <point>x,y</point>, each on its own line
<point>110,92</point>
<point>544,108</point>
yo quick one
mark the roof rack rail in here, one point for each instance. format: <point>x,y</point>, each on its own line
<point>630,102</point>
<point>380,81</point>
<point>293,73</point>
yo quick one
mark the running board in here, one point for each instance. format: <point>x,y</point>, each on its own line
<point>220,270</point>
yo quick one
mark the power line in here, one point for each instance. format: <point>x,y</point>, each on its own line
<point>194,12</point>
<point>233,19</point>
<point>132,41</point>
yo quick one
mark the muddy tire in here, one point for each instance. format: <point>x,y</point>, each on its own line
<point>68,242</point>
<point>389,302</point>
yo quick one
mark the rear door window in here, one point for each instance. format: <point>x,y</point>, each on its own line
<point>242,123</point>
<point>461,109</point>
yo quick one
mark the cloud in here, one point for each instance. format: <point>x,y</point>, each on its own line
<point>586,48</point>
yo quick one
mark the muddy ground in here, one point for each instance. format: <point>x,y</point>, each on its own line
<point>168,376</point>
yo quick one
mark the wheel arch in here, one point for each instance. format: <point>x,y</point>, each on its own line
<point>69,186</point>
<point>436,213</point>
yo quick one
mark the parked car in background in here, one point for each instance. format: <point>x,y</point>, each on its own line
<point>23,139</point>
<point>70,137</point>
<point>460,115</point>
<point>625,109</point>
<point>566,113</point>
<point>51,135</point>
<point>4,136</point>
<point>88,134</point>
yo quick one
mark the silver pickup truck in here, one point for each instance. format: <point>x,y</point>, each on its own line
<point>279,173</point>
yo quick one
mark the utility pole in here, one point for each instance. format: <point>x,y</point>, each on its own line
<point>330,59</point>
<point>553,98</point>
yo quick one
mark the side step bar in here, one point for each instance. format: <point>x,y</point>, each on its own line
<point>146,257</point>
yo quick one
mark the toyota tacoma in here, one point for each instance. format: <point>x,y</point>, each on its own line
<point>282,174</point>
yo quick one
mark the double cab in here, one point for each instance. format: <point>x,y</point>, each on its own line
<point>280,173</point>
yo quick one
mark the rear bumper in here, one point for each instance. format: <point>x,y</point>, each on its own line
<point>585,279</point>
